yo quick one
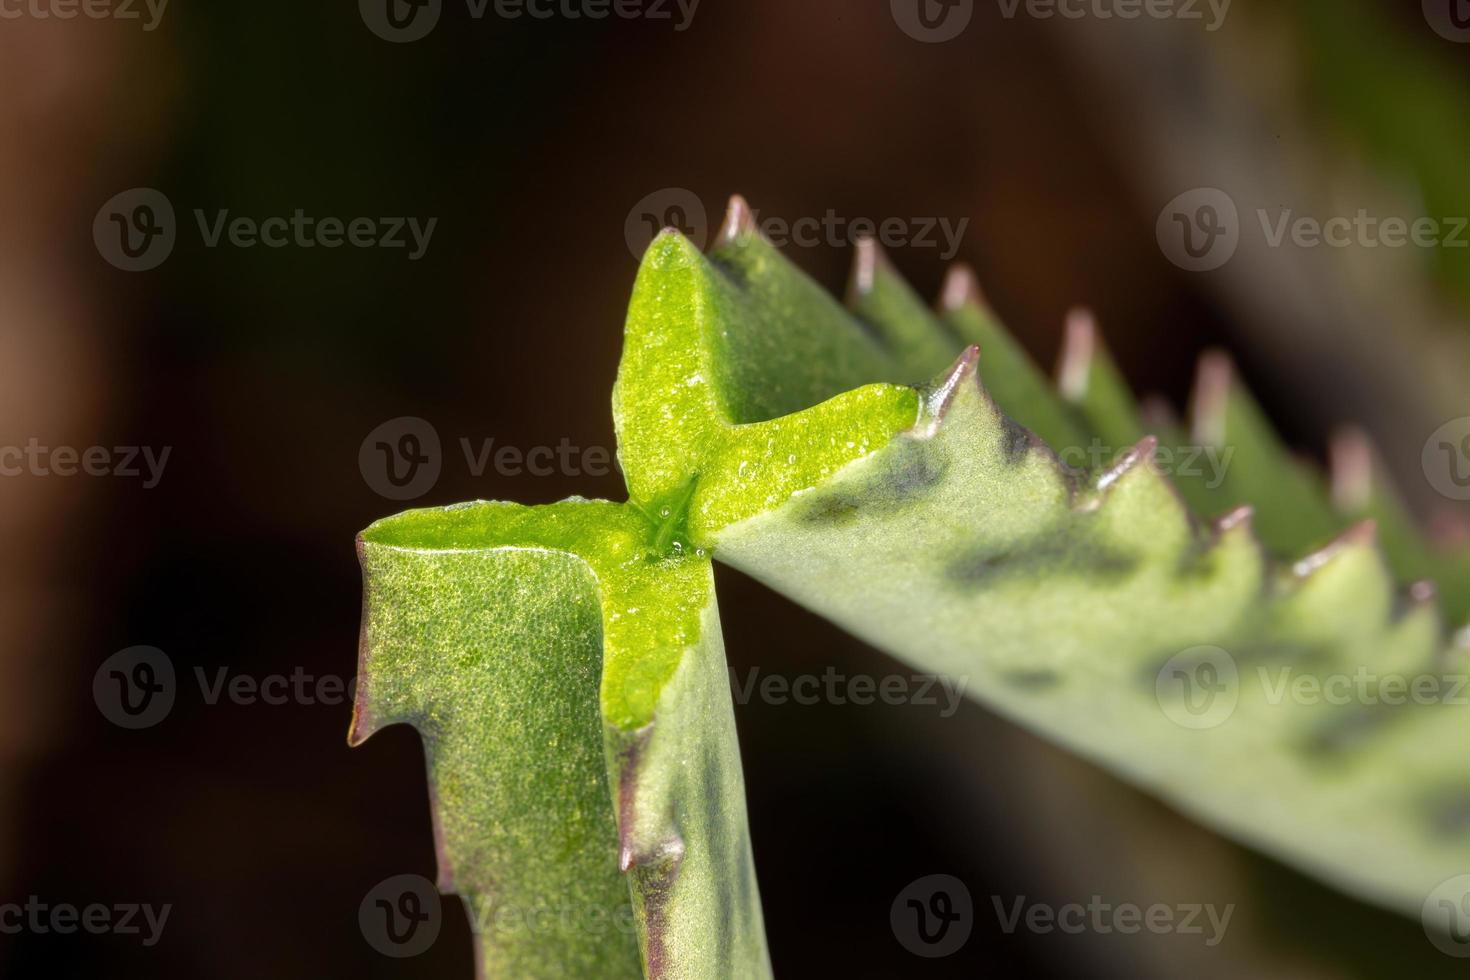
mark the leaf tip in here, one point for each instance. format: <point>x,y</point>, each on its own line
<point>961,290</point>
<point>1423,593</point>
<point>739,221</point>
<point>1213,381</point>
<point>942,392</point>
<point>1079,347</point>
<point>1350,466</point>
<point>1156,413</point>
<point>1363,534</point>
<point>1240,517</point>
<point>1141,454</point>
<point>364,725</point>
<point>868,259</point>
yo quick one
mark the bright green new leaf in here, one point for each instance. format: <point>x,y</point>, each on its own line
<point>1234,640</point>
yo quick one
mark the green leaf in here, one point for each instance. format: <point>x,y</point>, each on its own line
<point>569,684</point>
<point>563,664</point>
<point>1078,601</point>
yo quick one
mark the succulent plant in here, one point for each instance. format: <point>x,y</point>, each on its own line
<point>565,669</point>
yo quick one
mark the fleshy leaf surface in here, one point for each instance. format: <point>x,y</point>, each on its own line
<point>569,684</point>
<point>1164,628</point>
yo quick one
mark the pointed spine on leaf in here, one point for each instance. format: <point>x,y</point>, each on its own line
<point>1156,413</point>
<point>1423,593</point>
<point>1079,347</point>
<point>1211,397</point>
<point>1240,517</point>
<point>1350,464</point>
<point>961,290</point>
<point>1449,530</point>
<point>941,395</point>
<point>739,221</point>
<point>1141,454</point>
<point>364,725</point>
<point>1363,534</point>
<point>868,258</point>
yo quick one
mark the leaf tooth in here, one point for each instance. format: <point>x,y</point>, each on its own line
<point>1236,527</point>
<point>1422,593</point>
<point>364,725</point>
<point>1449,530</point>
<point>961,290</point>
<point>1142,457</point>
<point>940,396</point>
<point>364,722</point>
<point>879,298</point>
<point>1350,469</point>
<point>1239,517</point>
<point>868,259</point>
<point>1214,378</point>
<point>1157,414</point>
<point>1363,534</point>
<point>1141,454</point>
<point>631,856</point>
<point>739,222</point>
<point>1079,347</point>
<point>1419,607</point>
<point>642,842</point>
<point>1012,379</point>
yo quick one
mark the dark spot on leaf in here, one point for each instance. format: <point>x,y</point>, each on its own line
<point>1031,680</point>
<point>829,510</point>
<point>911,469</point>
<point>1294,655</point>
<point>1054,554</point>
<point>1017,442</point>
<point>714,804</point>
<point>1449,812</point>
<point>1349,727</point>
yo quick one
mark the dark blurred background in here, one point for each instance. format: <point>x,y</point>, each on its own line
<point>531,141</point>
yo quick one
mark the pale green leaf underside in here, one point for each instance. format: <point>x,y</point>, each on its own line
<point>1061,593</point>
<point>581,847</point>
<point>564,665</point>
